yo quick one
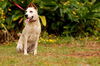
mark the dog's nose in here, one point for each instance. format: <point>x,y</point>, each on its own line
<point>26,15</point>
<point>32,16</point>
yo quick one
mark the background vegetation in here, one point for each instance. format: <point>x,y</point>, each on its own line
<point>77,18</point>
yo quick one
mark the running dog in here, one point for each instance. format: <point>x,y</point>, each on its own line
<point>28,40</point>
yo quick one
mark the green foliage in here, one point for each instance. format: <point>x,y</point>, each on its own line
<point>43,19</point>
<point>71,17</point>
<point>11,16</point>
<point>84,17</point>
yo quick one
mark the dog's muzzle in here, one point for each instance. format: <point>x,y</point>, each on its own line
<point>28,19</point>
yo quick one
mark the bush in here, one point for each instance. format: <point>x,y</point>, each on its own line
<point>71,17</point>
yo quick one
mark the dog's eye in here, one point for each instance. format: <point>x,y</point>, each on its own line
<point>31,11</point>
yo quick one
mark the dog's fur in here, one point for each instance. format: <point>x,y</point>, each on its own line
<point>28,40</point>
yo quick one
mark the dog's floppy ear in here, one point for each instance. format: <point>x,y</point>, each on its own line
<point>32,5</point>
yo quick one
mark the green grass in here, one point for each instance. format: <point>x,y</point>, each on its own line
<point>48,55</point>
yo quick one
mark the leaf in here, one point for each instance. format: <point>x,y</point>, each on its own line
<point>4,5</point>
<point>4,27</point>
<point>61,12</point>
<point>43,19</point>
<point>96,6</point>
<point>16,17</point>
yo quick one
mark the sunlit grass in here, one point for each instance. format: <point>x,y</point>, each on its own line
<point>52,39</point>
<point>52,51</point>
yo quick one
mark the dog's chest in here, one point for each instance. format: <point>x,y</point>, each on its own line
<point>32,29</point>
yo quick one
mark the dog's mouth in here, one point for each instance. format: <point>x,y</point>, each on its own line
<point>29,19</point>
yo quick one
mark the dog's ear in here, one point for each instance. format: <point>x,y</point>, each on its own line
<point>32,5</point>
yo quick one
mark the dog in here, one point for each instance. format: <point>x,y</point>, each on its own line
<point>28,40</point>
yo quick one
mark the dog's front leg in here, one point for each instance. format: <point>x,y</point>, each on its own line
<point>25,46</point>
<point>35,47</point>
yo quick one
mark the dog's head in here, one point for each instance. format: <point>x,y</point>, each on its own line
<point>31,13</point>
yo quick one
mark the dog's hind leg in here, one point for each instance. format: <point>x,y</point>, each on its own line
<point>30,47</point>
<point>33,47</point>
<point>20,44</point>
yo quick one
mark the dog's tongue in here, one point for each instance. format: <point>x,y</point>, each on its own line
<point>27,20</point>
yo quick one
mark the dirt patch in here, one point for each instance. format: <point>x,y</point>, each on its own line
<point>86,54</point>
<point>92,49</point>
<point>92,45</point>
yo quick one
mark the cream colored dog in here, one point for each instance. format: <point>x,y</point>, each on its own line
<point>28,40</point>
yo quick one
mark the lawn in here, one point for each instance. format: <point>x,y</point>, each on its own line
<point>65,54</point>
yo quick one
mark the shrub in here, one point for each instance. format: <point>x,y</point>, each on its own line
<point>71,17</point>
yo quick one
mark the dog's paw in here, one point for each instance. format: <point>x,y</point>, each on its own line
<point>26,54</point>
<point>35,52</point>
<point>19,47</point>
